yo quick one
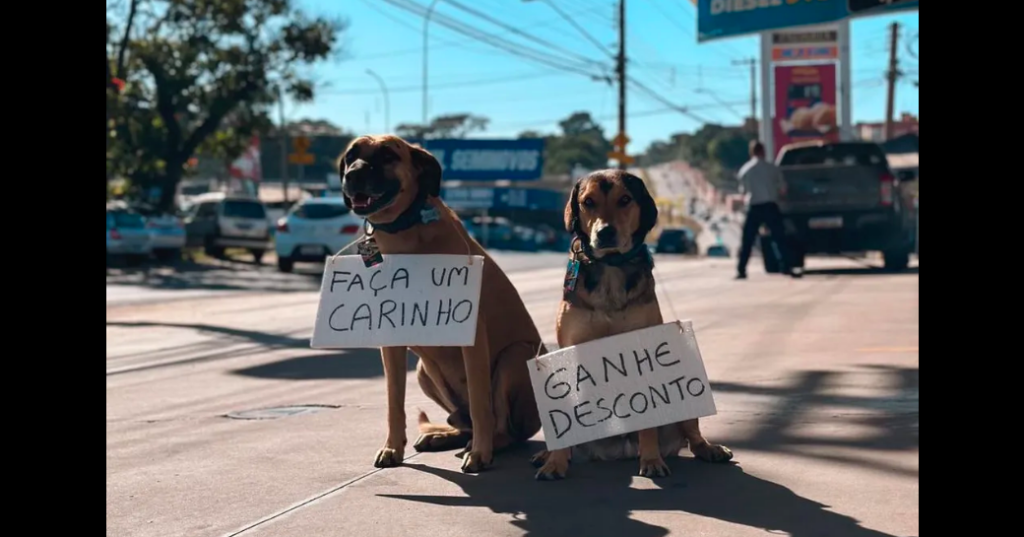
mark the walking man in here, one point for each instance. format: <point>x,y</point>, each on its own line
<point>762,182</point>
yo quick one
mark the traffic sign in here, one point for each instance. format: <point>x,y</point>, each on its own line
<point>300,144</point>
<point>302,159</point>
<point>621,157</point>
<point>620,140</point>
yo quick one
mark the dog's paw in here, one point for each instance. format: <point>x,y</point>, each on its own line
<point>539,458</point>
<point>552,468</point>
<point>388,458</point>
<point>430,442</point>
<point>712,452</point>
<point>473,462</point>
<point>655,467</point>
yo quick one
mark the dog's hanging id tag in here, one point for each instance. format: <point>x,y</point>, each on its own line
<point>368,249</point>
<point>370,253</point>
<point>572,273</point>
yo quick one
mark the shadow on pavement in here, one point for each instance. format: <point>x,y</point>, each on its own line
<point>859,271</point>
<point>261,338</point>
<point>352,364</point>
<point>598,495</point>
<point>218,275</point>
<point>892,422</point>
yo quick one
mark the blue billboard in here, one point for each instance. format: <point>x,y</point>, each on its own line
<point>488,160</point>
<point>718,19</point>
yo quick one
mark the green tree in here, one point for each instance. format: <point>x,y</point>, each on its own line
<point>449,126</point>
<point>199,77</point>
<point>582,142</point>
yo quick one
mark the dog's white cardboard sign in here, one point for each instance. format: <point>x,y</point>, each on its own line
<point>621,384</point>
<point>429,300</point>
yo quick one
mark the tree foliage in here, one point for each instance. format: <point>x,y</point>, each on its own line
<point>449,126</point>
<point>187,77</point>
<point>581,142</point>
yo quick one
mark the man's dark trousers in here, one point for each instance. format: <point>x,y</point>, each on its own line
<point>769,215</point>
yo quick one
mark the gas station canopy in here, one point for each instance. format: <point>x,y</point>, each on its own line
<point>720,19</point>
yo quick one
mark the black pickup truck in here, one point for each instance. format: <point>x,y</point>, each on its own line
<point>842,198</point>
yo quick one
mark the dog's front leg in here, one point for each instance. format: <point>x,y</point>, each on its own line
<point>395,373</point>
<point>477,360</point>
<point>651,463</point>
<point>700,447</point>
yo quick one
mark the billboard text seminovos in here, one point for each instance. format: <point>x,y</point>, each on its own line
<point>488,160</point>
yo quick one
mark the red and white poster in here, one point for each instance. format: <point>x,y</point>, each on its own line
<point>247,166</point>
<point>805,104</point>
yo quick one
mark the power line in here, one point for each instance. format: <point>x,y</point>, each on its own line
<point>609,117</point>
<point>913,40</point>
<point>517,31</point>
<point>510,47</point>
<point>670,19</point>
<point>572,22</point>
<point>540,23</point>
<point>685,110</point>
<point>723,44</point>
<point>451,85</point>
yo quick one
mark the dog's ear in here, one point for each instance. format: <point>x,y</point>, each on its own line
<point>648,209</point>
<point>572,209</point>
<point>340,165</point>
<point>429,170</point>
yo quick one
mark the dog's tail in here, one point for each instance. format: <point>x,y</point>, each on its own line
<point>426,427</point>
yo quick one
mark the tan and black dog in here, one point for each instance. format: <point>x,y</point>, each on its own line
<point>485,388</point>
<point>610,213</point>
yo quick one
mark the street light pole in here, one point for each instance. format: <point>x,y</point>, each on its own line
<point>387,104</point>
<point>426,22</point>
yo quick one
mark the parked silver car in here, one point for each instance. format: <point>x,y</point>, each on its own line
<point>218,221</point>
<point>127,235</point>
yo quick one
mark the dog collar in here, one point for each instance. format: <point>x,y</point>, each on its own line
<point>418,212</point>
<point>639,253</point>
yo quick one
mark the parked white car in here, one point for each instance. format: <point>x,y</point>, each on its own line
<point>314,229</point>
<point>127,235</point>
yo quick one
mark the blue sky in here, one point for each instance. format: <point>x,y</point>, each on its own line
<point>518,94</point>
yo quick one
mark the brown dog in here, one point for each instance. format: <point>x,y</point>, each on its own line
<point>485,388</point>
<point>610,213</point>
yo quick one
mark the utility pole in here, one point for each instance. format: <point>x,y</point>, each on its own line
<point>621,69</point>
<point>621,140</point>
<point>891,75</point>
<point>283,130</point>
<point>752,62</point>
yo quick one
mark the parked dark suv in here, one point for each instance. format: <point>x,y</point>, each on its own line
<point>842,198</point>
<point>678,240</point>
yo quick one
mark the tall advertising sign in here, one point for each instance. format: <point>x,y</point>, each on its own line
<point>805,104</point>
<point>808,43</point>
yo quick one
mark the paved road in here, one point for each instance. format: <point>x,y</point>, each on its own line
<point>815,381</point>
<point>154,283</point>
